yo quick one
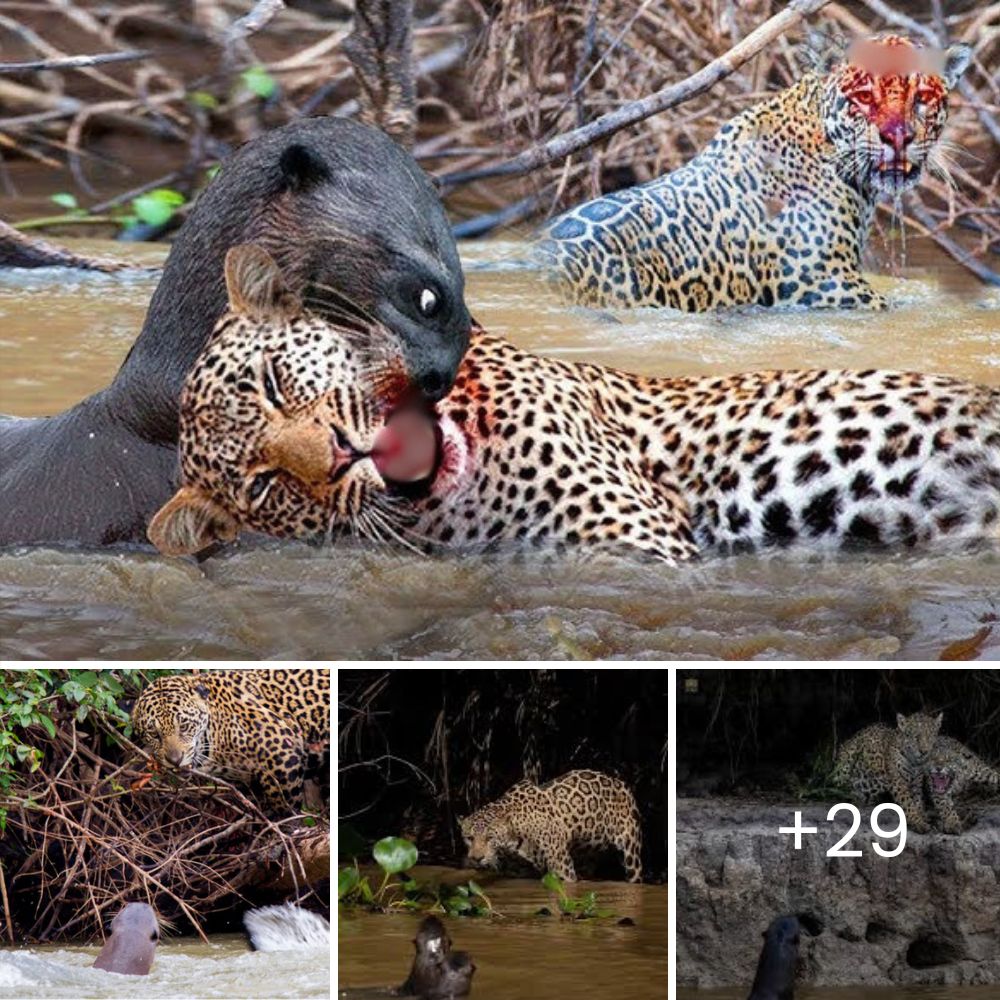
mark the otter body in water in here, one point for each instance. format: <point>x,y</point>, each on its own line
<point>132,945</point>
<point>355,224</point>
<point>437,972</point>
<point>775,979</point>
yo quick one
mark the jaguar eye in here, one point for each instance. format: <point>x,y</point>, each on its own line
<point>429,302</point>
<point>259,487</point>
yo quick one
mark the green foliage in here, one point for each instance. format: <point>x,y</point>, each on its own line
<point>158,206</point>
<point>35,703</point>
<point>396,856</point>
<point>578,907</point>
<point>203,99</point>
<point>259,82</point>
<point>65,200</point>
<point>815,779</point>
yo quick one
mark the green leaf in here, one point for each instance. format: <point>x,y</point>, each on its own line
<point>203,99</point>
<point>47,724</point>
<point>85,678</point>
<point>158,206</point>
<point>457,905</point>
<point>258,81</point>
<point>395,854</point>
<point>347,880</point>
<point>308,820</point>
<point>475,889</point>
<point>213,170</point>
<point>23,752</point>
<point>65,200</point>
<point>553,883</point>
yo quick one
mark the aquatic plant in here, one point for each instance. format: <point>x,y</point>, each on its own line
<point>396,856</point>
<point>578,907</point>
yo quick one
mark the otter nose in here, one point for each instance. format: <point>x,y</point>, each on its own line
<point>174,757</point>
<point>897,133</point>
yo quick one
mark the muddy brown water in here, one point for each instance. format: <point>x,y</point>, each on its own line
<point>520,956</point>
<point>63,336</point>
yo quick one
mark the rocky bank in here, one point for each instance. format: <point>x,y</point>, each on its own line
<point>929,916</point>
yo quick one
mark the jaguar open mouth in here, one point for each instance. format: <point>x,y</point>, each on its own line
<point>897,173</point>
<point>940,782</point>
<point>408,451</point>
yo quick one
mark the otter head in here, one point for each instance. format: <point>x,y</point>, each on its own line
<point>917,734</point>
<point>884,109</point>
<point>291,425</point>
<point>355,220</point>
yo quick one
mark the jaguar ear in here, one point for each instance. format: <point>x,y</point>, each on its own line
<point>255,286</point>
<point>189,522</point>
<point>956,62</point>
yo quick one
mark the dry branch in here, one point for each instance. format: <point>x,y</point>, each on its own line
<point>72,62</point>
<point>80,842</point>
<point>636,111</point>
<point>380,49</point>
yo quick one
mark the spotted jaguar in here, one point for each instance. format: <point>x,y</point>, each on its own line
<point>541,824</point>
<point>776,210</point>
<point>290,427</point>
<point>256,726</point>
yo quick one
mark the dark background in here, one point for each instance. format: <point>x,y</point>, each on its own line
<point>419,748</point>
<point>759,731</point>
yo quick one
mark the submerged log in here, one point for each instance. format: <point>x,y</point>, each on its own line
<point>17,249</point>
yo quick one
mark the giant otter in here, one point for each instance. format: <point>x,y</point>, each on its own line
<point>130,949</point>
<point>437,973</point>
<point>775,979</point>
<point>350,217</point>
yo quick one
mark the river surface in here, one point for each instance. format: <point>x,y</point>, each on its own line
<point>520,956</point>
<point>63,336</point>
<point>183,968</point>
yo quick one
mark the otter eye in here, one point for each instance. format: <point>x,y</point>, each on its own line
<point>259,487</point>
<point>154,936</point>
<point>429,302</point>
<point>272,389</point>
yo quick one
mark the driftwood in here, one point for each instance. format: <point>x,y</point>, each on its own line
<point>380,48</point>
<point>71,62</point>
<point>19,250</point>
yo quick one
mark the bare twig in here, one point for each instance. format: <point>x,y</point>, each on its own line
<point>636,111</point>
<point>72,62</point>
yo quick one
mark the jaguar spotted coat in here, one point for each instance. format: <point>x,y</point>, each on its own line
<point>290,428</point>
<point>777,208</point>
<point>256,726</point>
<point>542,823</point>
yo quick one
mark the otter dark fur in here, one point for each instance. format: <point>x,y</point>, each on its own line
<point>775,979</point>
<point>437,972</point>
<point>346,212</point>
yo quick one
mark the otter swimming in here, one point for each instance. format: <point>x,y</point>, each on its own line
<point>132,945</point>
<point>351,218</point>
<point>437,972</point>
<point>775,979</point>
